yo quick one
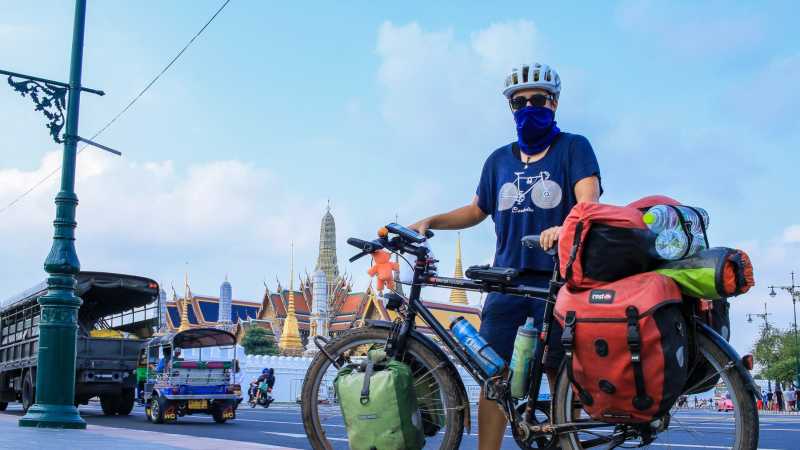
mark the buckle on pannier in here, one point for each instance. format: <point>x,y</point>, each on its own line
<point>568,334</point>
<point>634,337</point>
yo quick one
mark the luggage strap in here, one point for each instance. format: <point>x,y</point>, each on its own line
<point>642,401</point>
<point>703,224</point>
<point>368,371</point>
<point>576,243</point>
<point>567,340</point>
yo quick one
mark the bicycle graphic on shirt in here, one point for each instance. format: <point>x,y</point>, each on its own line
<point>545,193</point>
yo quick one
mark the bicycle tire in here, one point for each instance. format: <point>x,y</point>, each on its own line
<point>316,372</point>
<point>745,412</point>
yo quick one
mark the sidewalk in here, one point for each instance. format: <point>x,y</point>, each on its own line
<point>95,436</point>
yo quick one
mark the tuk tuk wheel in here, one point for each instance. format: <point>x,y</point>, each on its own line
<point>217,412</point>
<point>157,407</point>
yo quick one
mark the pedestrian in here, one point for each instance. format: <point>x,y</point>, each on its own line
<point>788,394</point>
<point>770,400</point>
<point>797,398</point>
<point>779,400</point>
<point>559,170</point>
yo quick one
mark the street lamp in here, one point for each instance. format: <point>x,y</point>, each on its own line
<point>55,367</point>
<point>764,316</point>
<point>794,292</point>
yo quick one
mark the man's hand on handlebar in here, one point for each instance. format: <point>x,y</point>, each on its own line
<point>549,237</point>
<point>421,227</point>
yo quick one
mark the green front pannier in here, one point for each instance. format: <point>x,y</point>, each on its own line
<point>379,405</point>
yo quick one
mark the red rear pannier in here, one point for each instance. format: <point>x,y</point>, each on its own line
<point>626,347</point>
<point>601,243</point>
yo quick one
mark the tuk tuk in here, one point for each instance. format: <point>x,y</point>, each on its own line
<point>186,375</point>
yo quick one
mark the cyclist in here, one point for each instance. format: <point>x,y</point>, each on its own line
<point>528,187</point>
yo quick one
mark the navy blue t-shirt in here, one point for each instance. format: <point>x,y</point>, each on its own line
<point>525,201</point>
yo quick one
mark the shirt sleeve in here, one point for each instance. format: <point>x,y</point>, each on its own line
<point>485,191</point>
<point>583,162</point>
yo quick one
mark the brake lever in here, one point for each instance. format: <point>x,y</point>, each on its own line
<point>359,256</point>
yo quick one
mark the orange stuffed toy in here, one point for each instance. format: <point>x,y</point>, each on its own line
<point>384,268</point>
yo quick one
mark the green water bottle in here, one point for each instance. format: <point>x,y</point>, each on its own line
<point>524,346</point>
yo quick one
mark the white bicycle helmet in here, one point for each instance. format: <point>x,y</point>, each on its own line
<point>535,75</point>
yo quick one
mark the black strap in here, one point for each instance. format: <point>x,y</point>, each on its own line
<point>573,254</point>
<point>568,341</point>
<point>370,368</point>
<point>703,224</point>
<point>642,401</point>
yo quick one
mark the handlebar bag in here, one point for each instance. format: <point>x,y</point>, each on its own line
<point>603,243</point>
<point>712,274</point>
<point>379,406</point>
<point>625,347</point>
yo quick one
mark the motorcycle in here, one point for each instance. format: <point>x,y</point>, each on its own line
<point>260,395</point>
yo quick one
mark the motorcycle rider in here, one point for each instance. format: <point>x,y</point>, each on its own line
<point>527,187</point>
<point>267,378</point>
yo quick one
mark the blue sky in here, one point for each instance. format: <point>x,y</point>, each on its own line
<point>388,110</point>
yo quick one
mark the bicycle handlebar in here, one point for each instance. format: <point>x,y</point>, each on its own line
<point>535,241</point>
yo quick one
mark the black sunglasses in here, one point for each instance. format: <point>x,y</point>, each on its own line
<point>520,101</point>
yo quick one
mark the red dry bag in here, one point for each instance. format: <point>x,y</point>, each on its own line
<point>602,243</point>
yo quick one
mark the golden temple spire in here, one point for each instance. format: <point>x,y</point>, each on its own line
<point>458,296</point>
<point>290,343</point>
<point>185,310</point>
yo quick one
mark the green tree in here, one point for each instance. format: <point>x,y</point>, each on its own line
<point>776,353</point>
<point>258,341</point>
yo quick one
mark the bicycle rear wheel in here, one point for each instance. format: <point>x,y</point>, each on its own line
<point>738,430</point>
<point>441,405</point>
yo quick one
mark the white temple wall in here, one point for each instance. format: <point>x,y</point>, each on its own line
<point>291,371</point>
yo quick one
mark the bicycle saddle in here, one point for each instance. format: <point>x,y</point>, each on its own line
<point>489,274</point>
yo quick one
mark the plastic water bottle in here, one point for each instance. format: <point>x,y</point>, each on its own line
<point>671,244</point>
<point>476,346</point>
<point>663,217</point>
<point>524,347</point>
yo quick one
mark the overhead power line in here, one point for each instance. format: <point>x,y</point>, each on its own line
<point>123,110</point>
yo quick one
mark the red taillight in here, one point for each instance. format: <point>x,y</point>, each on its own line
<point>747,360</point>
<point>152,285</point>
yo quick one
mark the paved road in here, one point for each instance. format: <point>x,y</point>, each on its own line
<point>280,425</point>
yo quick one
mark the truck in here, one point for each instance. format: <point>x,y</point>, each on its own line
<point>117,313</point>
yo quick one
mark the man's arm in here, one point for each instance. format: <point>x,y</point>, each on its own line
<point>464,217</point>
<point>588,190</point>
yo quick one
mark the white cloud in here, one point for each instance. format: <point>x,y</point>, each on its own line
<point>435,86</point>
<point>150,217</point>
<point>791,235</point>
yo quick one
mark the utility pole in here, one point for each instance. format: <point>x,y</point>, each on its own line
<point>765,315</point>
<point>794,292</point>
<point>55,371</point>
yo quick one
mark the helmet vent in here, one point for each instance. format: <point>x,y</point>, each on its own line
<point>525,70</point>
<point>514,78</point>
<point>535,75</point>
<point>547,76</point>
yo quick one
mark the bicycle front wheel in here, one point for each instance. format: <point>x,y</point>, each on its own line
<point>441,405</point>
<point>697,427</point>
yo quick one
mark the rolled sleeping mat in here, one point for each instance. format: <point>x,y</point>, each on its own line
<point>718,272</point>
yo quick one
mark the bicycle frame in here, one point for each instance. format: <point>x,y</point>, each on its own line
<point>416,307</point>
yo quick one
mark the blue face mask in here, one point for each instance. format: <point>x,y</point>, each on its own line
<point>536,128</point>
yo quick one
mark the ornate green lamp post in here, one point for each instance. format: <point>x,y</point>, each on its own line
<point>55,379</point>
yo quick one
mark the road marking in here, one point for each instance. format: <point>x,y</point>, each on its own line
<point>665,444</point>
<point>285,423</point>
<point>295,435</point>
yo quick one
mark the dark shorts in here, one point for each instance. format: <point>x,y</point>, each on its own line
<point>502,314</point>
